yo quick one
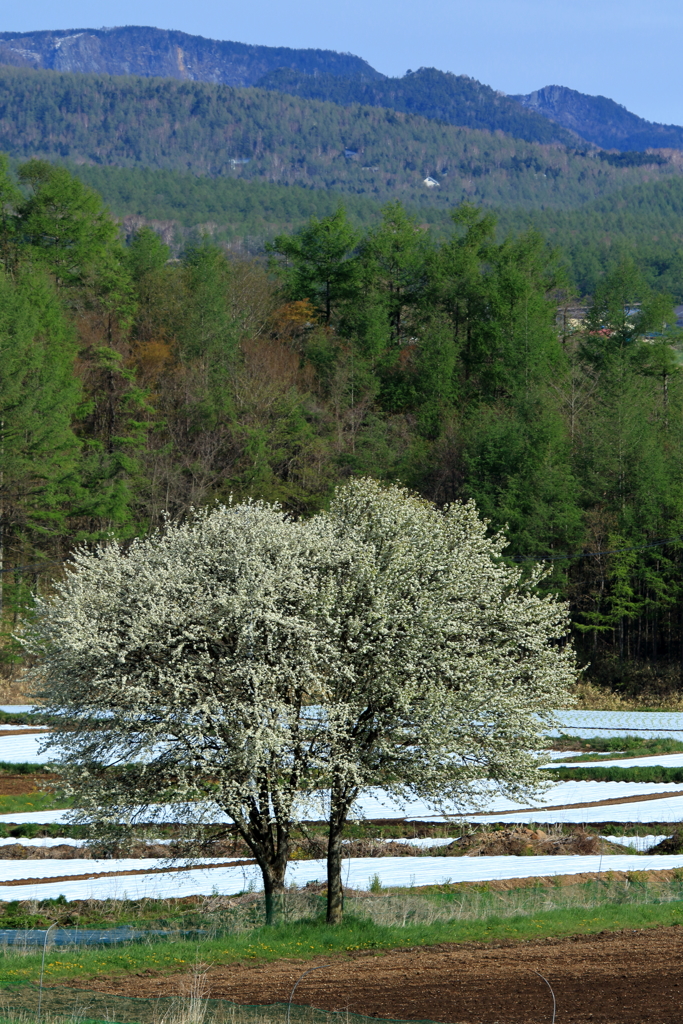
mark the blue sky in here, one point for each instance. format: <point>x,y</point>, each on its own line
<point>628,50</point>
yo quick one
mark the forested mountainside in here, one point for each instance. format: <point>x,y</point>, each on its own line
<point>134,384</point>
<point>454,99</point>
<point>601,120</point>
<point>256,134</point>
<point>642,222</point>
<point>552,114</point>
<point>149,52</point>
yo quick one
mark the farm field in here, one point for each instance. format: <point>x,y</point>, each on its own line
<point>462,971</point>
<point>438,928</point>
<point>608,978</point>
<point>567,803</point>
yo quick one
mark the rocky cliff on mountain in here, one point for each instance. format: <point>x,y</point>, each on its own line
<point>134,50</point>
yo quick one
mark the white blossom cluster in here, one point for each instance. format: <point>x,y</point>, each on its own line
<point>253,661</point>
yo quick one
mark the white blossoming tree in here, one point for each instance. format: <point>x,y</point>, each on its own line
<point>447,664</point>
<point>186,669</point>
<point>248,662</point>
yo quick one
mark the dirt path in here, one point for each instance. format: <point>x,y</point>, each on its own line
<point>611,978</point>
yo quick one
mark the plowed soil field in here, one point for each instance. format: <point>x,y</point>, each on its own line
<point>633,977</point>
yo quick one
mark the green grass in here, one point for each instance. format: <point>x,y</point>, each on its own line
<point>605,773</point>
<point>628,745</point>
<point>397,918</point>
<point>25,802</point>
<point>305,940</point>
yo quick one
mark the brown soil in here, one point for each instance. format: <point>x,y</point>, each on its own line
<point>18,852</point>
<point>28,731</point>
<point>514,841</point>
<point>526,841</point>
<point>611,978</point>
<point>17,785</point>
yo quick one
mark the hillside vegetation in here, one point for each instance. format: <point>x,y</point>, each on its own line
<point>134,385</point>
<point>213,129</point>
<point>643,222</point>
<point>551,114</point>
<point>453,99</point>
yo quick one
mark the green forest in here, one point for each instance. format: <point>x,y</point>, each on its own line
<point>642,222</point>
<point>264,136</point>
<point>453,99</point>
<point>138,384</point>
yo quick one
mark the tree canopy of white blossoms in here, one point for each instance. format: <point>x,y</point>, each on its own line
<point>447,661</point>
<point>250,661</point>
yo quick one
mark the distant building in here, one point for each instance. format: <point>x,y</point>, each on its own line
<point>431,182</point>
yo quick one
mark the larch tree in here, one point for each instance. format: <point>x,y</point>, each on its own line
<point>39,398</point>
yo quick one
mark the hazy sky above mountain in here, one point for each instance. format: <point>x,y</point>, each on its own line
<point>628,50</point>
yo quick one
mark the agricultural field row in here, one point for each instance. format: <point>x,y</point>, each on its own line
<point>50,866</point>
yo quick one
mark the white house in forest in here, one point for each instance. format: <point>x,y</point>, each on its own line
<point>431,182</point>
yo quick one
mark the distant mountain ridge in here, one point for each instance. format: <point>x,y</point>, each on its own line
<point>554,114</point>
<point>438,95</point>
<point>600,120</point>
<point>153,52</point>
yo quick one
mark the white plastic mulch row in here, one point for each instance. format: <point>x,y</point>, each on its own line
<point>641,844</point>
<point>15,869</point>
<point>376,804</point>
<point>425,842</point>
<point>18,749</point>
<point>668,809</point>
<point>11,727</point>
<point>648,724</point>
<point>357,874</point>
<point>45,842</point>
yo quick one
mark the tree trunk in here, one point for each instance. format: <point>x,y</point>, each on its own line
<point>273,892</point>
<point>335,892</point>
<point>273,886</point>
<point>271,852</point>
<point>341,802</point>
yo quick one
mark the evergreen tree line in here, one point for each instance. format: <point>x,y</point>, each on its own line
<point>642,223</point>
<point>135,385</point>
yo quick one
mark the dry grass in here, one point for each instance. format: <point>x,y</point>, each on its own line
<point>192,1007</point>
<point>590,697</point>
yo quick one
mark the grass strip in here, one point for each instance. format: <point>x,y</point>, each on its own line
<point>606,773</point>
<point>306,939</point>
<point>24,803</point>
<point>618,744</point>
